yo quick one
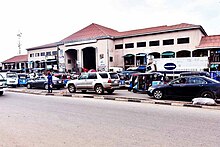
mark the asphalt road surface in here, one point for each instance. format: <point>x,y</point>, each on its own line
<point>31,120</point>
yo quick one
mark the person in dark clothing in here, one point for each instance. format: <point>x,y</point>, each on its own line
<point>50,82</point>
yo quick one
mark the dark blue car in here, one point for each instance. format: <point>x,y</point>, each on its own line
<point>187,87</point>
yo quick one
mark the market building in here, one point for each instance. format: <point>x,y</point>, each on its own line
<point>17,63</point>
<point>98,47</point>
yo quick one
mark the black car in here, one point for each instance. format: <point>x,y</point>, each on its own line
<point>42,82</point>
<point>187,87</point>
<point>195,73</point>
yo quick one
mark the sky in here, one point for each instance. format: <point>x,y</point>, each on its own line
<point>48,21</point>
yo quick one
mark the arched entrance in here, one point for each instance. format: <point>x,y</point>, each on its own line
<point>71,65</point>
<point>89,58</point>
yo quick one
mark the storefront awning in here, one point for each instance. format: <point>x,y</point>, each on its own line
<point>141,55</point>
<point>168,53</point>
<point>128,55</point>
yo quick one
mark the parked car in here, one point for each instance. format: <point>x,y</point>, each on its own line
<point>95,81</point>
<point>187,87</point>
<point>63,76</point>
<point>3,84</point>
<point>12,79</point>
<point>195,73</point>
<point>42,82</point>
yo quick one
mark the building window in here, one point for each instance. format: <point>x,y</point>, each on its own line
<point>42,54</point>
<point>182,40</point>
<point>129,45</point>
<point>54,52</point>
<point>48,53</point>
<point>154,43</point>
<point>141,44</point>
<point>119,46</point>
<point>69,61</point>
<point>37,54</point>
<point>111,59</point>
<point>168,42</point>
<point>31,55</point>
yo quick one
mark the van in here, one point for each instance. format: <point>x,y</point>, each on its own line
<point>12,79</point>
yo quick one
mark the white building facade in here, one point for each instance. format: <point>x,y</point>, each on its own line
<point>98,47</point>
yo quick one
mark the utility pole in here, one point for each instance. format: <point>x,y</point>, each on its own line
<point>19,42</point>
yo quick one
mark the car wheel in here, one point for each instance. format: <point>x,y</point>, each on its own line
<point>110,91</point>
<point>1,92</point>
<point>207,94</point>
<point>29,86</point>
<point>46,86</point>
<point>71,88</point>
<point>83,91</point>
<point>158,94</point>
<point>99,89</point>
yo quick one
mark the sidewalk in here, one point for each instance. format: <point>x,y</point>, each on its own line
<point>118,95</point>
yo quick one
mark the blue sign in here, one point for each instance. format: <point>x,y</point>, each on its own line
<point>170,66</point>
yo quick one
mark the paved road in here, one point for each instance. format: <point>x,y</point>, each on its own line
<point>32,120</point>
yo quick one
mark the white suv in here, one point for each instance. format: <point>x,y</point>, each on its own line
<point>95,81</point>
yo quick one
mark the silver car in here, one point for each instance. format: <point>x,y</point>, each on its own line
<point>95,81</point>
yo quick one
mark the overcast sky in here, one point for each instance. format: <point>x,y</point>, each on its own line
<point>47,21</point>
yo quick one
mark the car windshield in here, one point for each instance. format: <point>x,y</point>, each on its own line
<point>11,76</point>
<point>211,80</point>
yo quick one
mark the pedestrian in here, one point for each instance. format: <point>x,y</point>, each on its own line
<point>50,82</point>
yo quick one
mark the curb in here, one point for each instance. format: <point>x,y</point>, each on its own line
<point>125,99</point>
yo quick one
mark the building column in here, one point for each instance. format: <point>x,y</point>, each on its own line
<point>80,59</point>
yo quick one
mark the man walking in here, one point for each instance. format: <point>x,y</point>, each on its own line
<point>50,82</point>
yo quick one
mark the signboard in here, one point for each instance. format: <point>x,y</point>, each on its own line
<point>170,66</point>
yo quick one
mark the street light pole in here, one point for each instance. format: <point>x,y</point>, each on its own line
<point>19,42</point>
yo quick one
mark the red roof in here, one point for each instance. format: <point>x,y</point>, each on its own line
<point>19,58</point>
<point>210,41</point>
<point>95,31</point>
<point>161,29</point>
<point>44,46</point>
